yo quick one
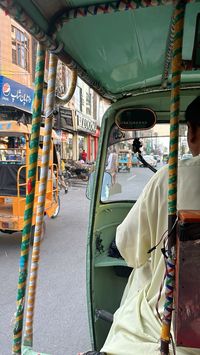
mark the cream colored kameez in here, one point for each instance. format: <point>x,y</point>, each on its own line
<point>136,327</point>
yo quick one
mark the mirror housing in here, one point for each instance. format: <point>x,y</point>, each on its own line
<point>135,118</point>
<point>90,186</point>
<point>107,182</point>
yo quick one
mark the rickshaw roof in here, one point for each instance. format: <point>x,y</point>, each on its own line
<point>17,129</point>
<point>118,47</point>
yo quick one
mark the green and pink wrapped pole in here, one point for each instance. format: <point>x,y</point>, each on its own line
<point>28,214</point>
<point>28,338</point>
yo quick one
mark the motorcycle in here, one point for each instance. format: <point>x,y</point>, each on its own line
<point>76,170</point>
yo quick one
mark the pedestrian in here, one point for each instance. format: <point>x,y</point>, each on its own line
<point>60,174</point>
<point>84,155</point>
<point>80,154</point>
<point>112,165</point>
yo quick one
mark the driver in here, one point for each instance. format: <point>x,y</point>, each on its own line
<point>136,327</point>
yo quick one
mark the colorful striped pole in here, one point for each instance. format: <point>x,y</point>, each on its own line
<point>168,55</point>
<point>28,338</point>
<point>32,170</point>
<point>173,165</point>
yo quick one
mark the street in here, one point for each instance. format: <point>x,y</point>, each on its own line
<point>132,183</point>
<point>60,325</point>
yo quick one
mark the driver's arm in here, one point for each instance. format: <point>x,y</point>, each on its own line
<point>139,231</point>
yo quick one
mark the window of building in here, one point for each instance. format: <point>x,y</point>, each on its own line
<point>79,98</point>
<point>20,48</point>
<point>88,102</point>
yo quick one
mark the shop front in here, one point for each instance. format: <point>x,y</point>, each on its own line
<point>86,129</point>
<point>15,100</point>
<point>64,125</point>
<point>92,143</point>
<point>67,145</point>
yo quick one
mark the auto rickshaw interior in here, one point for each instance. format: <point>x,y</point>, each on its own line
<point>125,56</point>
<point>110,271</point>
<point>14,155</point>
<point>12,149</point>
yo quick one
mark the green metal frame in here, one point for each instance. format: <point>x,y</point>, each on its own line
<point>104,217</point>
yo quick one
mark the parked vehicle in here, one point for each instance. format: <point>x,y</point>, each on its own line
<point>77,170</point>
<point>124,160</point>
<point>165,158</point>
<point>186,156</point>
<point>135,161</point>
<point>157,158</point>
<point>150,160</point>
<point>14,159</point>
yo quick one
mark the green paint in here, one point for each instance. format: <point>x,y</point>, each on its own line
<point>177,52</point>
<point>172,180</point>
<point>171,193</point>
<point>174,114</point>
<point>174,152</point>
<point>33,157</point>
<point>34,142</point>
<point>176,38</point>
<point>173,141</point>
<point>176,99</point>
<point>176,85</point>
<point>174,126</point>
<point>172,166</point>
<point>27,350</point>
<point>179,16</point>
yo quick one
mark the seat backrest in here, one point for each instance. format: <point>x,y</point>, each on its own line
<point>8,179</point>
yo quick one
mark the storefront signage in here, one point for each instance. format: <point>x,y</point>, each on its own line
<point>85,123</point>
<point>15,94</point>
<point>66,119</point>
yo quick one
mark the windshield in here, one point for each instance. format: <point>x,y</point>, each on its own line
<point>12,150</point>
<point>129,175</point>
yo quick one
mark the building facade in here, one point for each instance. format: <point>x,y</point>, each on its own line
<point>17,67</point>
<point>87,109</point>
<point>77,122</point>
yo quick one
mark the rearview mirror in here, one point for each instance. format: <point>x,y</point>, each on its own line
<point>107,182</point>
<point>135,118</point>
<point>90,186</point>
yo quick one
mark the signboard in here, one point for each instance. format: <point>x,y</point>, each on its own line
<point>15,94</point>
<point>66,119</point>
<point>85,123</point>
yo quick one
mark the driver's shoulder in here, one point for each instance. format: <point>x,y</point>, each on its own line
<point>194,161</point>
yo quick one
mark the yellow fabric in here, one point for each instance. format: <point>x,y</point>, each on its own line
<point>136,328</point>
<point>62,165</point>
